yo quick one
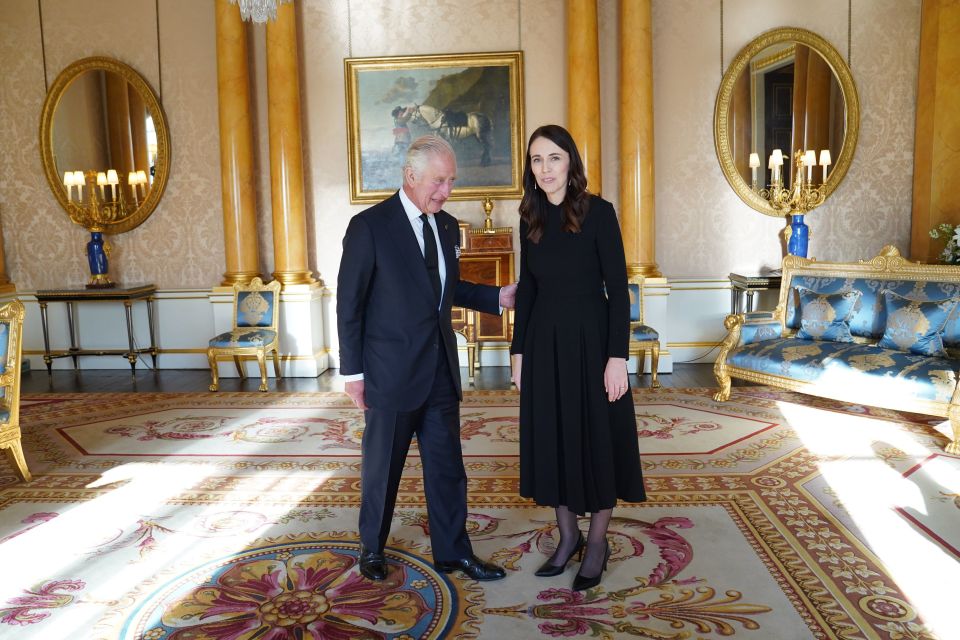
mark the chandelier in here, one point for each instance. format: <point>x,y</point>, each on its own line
<point>258,11</point>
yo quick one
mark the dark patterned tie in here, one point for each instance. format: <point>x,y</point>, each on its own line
<point>430,255</point>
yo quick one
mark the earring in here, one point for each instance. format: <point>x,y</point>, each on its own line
<point>534,186</point>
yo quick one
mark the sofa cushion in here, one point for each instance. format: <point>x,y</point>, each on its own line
<point>915,325</point>
<point>869,320</point>
<point>864,368</point>
<point>824,316</point>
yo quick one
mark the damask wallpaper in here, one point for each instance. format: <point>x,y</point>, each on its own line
<point>702,227</point>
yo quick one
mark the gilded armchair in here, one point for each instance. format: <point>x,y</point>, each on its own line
<point>642,337</point>
<point>255,311</point>
<point>11,333</point>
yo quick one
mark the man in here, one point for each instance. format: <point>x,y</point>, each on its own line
<point>399,277</point>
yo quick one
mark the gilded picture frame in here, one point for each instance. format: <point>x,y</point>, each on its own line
<point>473,100</point>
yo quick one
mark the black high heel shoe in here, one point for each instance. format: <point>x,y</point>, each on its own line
<point>547,569</point>
<point>582,583</point>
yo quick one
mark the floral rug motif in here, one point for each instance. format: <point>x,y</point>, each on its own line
<point>213,517</point>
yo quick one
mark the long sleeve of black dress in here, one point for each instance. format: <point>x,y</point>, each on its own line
<point>613,267</point>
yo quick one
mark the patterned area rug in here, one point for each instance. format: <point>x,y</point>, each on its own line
<point>232,516</point>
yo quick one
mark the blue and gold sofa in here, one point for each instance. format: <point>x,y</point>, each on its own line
<point>882,332</point>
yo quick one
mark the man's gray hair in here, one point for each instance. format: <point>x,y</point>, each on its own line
<point>420,150</point>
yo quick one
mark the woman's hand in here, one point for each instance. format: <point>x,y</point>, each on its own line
<point>516,364</point>
<point>615,378</point>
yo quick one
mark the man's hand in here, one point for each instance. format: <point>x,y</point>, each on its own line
<point>354,389</point>
<point>508,296</point>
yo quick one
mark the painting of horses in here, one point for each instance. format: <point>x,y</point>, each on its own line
<point>474,101</point>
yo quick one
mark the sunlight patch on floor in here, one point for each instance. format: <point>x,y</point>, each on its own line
<point>869,489</point>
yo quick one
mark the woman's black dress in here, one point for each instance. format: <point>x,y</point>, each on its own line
<point>577,449</point>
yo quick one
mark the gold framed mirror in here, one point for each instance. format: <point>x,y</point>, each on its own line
<point>105,144</point>
<point>789,89</point>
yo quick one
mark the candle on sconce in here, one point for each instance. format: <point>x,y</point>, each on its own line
<point>809,159</point>
<point>101,182</point>
<point>754,165</point>
<point>142,181</point>
<point>132,181</point>
<point>825,161</point>
<point>68,183</point>
<point>113,180</point>
<point>79,181</point>
<point>776,158</point>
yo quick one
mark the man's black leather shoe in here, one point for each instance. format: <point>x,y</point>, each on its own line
<point>473,567</point>
<point>373,564</point>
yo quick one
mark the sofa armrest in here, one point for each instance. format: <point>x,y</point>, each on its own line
<point>759,326</point>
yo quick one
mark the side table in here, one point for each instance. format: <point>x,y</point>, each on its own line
<point>749,285</point>
<point>127,295</point>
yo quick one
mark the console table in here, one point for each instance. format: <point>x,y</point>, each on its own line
<point>749,285</point>
<point>126,295</point>
<point>486,258</point>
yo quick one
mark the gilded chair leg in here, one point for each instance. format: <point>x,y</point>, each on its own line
<point>276,364</point>
<point>723,380</point>
<point>211,356</point>
<point>15,455</point>
<point>471,360</point>
<point>262,361</point>
<point>953,447</point>
<point>240,370</point>
<point>654,362</point>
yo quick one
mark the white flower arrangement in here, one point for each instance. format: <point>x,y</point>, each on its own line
<point>951,252</point>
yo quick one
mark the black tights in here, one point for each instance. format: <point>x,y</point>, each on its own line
<point>596,548</point>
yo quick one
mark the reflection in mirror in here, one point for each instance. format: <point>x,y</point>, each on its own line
<point>102,126</point>
<point>789,99</point>
<point>105,145</point>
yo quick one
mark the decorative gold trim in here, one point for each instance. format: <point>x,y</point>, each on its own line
<point>513,60</point>
<point>646,270</point>
<point>721,139</point>
<point>693,345</point>
<point>152,103</point>
<point>762,63</point>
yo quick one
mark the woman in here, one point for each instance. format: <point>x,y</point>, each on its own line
<point>578,439</point>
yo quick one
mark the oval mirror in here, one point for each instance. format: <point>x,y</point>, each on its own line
<point>788,90</point>
<point>105,144</point>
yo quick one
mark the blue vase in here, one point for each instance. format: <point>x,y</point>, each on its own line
<point>97,259</point>
<point>799,237</point>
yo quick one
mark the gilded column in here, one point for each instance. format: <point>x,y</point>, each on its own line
<point>286,159</point>
<point>236,148</point>
<point>583,86</point>
<point>118,124</point>
<point>637,213</point>
<point>937,143</point>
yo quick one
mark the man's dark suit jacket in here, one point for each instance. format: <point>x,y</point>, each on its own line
<point>387,314</point>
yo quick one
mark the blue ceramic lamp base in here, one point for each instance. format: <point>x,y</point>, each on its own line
<point>799,240</point>
<point>97,259</point>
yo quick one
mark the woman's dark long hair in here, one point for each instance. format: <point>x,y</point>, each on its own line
<point>576,201</point>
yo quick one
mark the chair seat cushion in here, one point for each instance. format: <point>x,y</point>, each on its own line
<point>861,368</point>
<point>643,332</point>
<point>244,338</point>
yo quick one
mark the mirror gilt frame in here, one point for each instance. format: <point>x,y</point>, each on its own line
<point>721,121</point>
<point>151,102</point>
